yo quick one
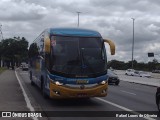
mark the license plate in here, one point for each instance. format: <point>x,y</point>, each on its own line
<point>82,81</point>
<point>82,94</point>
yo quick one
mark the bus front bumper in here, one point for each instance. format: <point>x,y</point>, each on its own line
<point>57,91</point>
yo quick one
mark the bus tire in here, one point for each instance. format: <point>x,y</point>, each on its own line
<point>30,76</point>
<point>32,83</point>
<point>158,101</point>
<point>43,90</point>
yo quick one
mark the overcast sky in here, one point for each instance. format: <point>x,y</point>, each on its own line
<point>112,18</point>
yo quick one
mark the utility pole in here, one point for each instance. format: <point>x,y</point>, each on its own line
<point>1,38</point>
<point>133,42</point>
<point>78,18</point>
<point>1,34</point>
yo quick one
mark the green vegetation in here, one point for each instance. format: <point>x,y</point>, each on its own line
<point>2,69</point>
<point>14,50</point>
<point>121,65</point>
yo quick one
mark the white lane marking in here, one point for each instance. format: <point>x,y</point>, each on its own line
<point>26,97</point>
<point>123,108</point>
<point>128,92</point>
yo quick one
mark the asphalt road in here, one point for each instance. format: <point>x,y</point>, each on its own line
<point>11,97</point>
<point>125,97</point>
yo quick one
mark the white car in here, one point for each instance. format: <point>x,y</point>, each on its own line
<point>141,74</point>
<point>24,66</point>
<point>129,72</point>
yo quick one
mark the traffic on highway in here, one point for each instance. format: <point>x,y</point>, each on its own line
<point>126,97</point>
<point>79,59</point>
<point>68,76</point>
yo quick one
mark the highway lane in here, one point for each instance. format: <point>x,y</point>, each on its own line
<point>66,105</point>
<point>129,95</point>
<point>134,96</point>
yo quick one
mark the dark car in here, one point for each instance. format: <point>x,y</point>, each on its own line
<point>158,98</point>
<point>113,78</point>
<point>156,71</point>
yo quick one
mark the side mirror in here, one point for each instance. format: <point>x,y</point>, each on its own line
<point>40,57</point>
<point>47,45</point>
<point>112,46</point>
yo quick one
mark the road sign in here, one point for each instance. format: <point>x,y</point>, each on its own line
<point>150,54</point>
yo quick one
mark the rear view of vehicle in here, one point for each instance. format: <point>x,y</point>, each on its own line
<point>113,77</point>
<point>24,66</point>
<point>129,72</point>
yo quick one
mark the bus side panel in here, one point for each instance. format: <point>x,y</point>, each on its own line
<point>43,75</point>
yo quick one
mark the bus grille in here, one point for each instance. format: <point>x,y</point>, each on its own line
<point>78,86</point>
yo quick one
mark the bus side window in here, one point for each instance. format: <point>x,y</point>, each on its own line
<point>42,45</point>
<point>33,53</point>
<point>33,50</point>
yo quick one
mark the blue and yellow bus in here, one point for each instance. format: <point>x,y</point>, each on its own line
<point>70,63</point>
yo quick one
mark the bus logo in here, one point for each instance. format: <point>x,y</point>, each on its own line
<point>82,81</point>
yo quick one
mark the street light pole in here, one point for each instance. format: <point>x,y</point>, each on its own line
<point>1,34</point>
<point>78,18</point>
<point>133,42</point>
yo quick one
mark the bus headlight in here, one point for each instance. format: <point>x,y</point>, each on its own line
<point>58,83</point>
<point>103,82</point>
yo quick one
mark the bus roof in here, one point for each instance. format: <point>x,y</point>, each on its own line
<point>74,32</point>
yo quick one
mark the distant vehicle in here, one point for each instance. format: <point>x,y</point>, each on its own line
<point>129,72</point>
<point>158,98</point>
<point>113,78</point>
<point>24,66</point>
<point>111,69</point>
<point>155,71</point>
<point>141,74</point>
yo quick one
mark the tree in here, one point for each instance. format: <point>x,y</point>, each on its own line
<point>153,65</point>
<point>115,64</point>
<point>14,50</point>
<point>0,53</point>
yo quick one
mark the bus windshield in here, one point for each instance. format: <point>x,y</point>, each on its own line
<point>78,56</point>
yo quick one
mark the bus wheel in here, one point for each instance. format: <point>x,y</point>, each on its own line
<point>43,91</point>
<point>30,76</point>
<point>158,105</point>
<point>32,83</point>
<point>158,101</point>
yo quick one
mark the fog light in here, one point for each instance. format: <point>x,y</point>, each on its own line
<point>57,92</point>
<point>104,91</point>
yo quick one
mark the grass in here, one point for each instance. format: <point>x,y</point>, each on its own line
<point>2,69</point>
